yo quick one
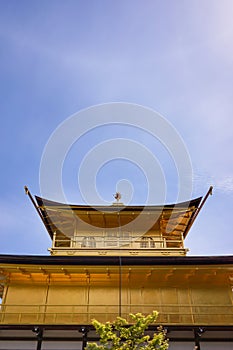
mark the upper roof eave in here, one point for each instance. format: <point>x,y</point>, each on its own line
<point>50,212</point>
<point>42,202</point>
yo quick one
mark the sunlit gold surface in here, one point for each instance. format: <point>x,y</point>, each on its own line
<point>76,294</point>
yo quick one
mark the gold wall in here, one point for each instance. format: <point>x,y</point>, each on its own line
<point>76,294</point>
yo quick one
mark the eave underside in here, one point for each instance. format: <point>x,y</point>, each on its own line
<point>67,220</point>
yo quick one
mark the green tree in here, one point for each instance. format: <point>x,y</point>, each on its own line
<point>122,335</point>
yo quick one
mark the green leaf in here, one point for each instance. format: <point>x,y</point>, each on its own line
<point>121,335</point>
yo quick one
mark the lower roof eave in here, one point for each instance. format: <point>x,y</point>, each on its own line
<point>115,260</point>
<point>181,327</point>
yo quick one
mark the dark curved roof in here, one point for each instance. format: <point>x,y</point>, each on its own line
<point>114,260</point>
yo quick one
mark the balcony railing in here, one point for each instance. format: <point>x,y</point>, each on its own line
<point>172,314</point>
<point>129,241</point>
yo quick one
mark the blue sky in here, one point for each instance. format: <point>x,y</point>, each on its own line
<point>59,57</point>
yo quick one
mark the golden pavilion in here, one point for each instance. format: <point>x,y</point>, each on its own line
<point>111,261</point>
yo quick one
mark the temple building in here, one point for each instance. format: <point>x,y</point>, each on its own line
<point>109,261</point>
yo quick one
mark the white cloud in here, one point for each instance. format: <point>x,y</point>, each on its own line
<point>223,185</point>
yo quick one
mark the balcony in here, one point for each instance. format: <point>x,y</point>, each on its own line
<point>124,242</point>
<point>169,314</point>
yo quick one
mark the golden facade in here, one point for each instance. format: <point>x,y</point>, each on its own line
<point>111,261</point>
<point>77,293</point>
